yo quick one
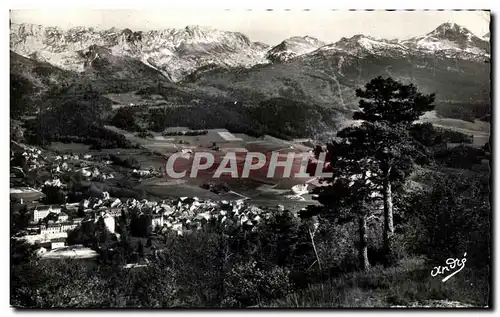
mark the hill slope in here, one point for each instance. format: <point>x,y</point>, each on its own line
<point>32,82</point>
<point>225,68</point>
<point>329,75</point>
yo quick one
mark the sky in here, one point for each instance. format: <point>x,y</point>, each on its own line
<point>270,27</point>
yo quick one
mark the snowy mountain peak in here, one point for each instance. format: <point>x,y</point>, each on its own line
<point>448,26</point>
<point>452,32</point>
<point>358,37</point>
<point>311,40</point>
<point>175,52</point>
<point>178,53</point>
<point>293,47</point>
<point>452,40</point>
<point>197,33</point>
<point>301,40</point>
<point>361,45</point>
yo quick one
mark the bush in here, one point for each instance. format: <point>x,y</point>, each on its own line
<point>452,218</point>
<point>246,284</point>
<point>145,134</point>
<point>461,156</point>
<point>128,161</point>
<point>216,188</point>
<point>337,252</point>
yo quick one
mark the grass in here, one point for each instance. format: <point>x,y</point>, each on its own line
<point>408,284</point>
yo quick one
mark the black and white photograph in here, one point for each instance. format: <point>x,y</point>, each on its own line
<point>250,158</point>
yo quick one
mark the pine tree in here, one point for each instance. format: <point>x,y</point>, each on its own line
<point>386,100</point>
<point>392,107</point>
<point>350,194</point>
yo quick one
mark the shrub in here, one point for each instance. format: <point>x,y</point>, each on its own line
<point>452,218</point>
<point>145,134</point>
<point>128,161</point>
<point>246,284</point>
<point>461,156</point>
<point>337,253</point>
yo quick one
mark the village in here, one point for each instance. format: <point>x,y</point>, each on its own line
<point>54,210</point>
<point>255,159</point>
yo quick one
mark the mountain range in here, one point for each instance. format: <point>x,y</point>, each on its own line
<point>209,63</point>
<point>178,52</point>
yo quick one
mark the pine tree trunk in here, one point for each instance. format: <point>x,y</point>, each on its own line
<point>388,217</point>
<point>363,244</point>
<point>315,251</point>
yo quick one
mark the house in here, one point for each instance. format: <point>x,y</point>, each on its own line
<point>77,220</point>
<point>55,209</point>
<point>57,243</point>
<point>63,217</point>
<point>109,222</point>
<point>56,182</point>
<point>32,230</point>
<point>117,202</point>
<point>157,220</point>
<point>50,228</point>
<point>85,203</point>
<point>52,244</point>
<point>141,172</point>
<point>67,226</point>
<point>42,211</point>
<point>71,207</point>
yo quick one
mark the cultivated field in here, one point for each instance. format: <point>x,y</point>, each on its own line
<point>480,130</point>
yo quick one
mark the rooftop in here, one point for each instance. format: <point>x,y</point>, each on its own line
<point>58,240</point>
